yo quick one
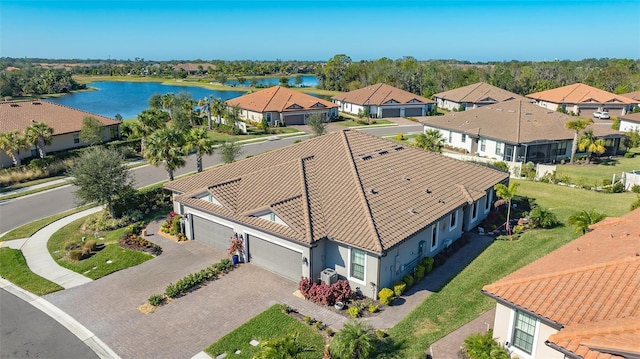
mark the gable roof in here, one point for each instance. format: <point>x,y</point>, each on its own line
<point>480,93</point>
<point>357,188</point>
<point>580,93</point>
<point>590,287</point>
<point>513,122</point>
<point>632,117</point>
<point>380,94</point>
<point>632,95</point>
<point>279,99</point>
<point>18,115</point>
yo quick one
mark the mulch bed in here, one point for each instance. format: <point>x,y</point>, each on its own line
<point>138,243</point>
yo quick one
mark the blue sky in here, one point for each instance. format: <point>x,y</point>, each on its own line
<point>490,30</point>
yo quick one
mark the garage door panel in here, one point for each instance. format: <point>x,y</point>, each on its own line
<point>413,112</point>
<point>275,258</point>
<point>294,119</point>
<point>390,112</point>
<point>211,233</point>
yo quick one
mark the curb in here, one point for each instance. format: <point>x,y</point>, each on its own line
<point>85,335</point>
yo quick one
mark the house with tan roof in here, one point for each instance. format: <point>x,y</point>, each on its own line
<point>516,131</point>
<point>474,96</point>
<point>282,105</point>
<point>630,122</point>
<point>381,100</point>
<point>366,208</point>
<point>583,100</point>
<point>65,121</point>
<point>632,95</point>
<point>580,301</point>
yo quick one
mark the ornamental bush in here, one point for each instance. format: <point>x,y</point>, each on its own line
<point>409,280</point>
<point>156,299</point>
<point>340,291</point>
<point>385,296</point>
<point>420,271</point>
<point>354,311</point>
<point>399,288</point>
<point>427,262</point>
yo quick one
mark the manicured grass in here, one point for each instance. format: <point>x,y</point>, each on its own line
<point>13,267</point>
<point>95,266</point>
<point>270,324</point>
<point>591,174</point>
<point>353,123</point>
<point>29,229</point>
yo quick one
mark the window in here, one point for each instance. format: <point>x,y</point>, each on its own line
<point>463,138</point>
<point>450,136</point>
<point>499,149</point>
<point>474,210</point>
<point>483,144</point>
<point>113,132</point>
<point>523,331</point>
<point>357,264</point>
<point>272,217</point>
<point>489,198</point>
<point>268,117</point>
<point>454,218</point>
<point>76,138</point>
<point>434,236</point>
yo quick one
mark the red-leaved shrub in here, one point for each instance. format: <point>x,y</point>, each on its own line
<point>339,291</point>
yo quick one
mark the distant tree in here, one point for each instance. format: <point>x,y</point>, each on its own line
<point>298,80</point>
<point>101,176</point>
<point>229,152</point>
<point>431,140</point>
<point>588,142</point>
<point>318,127</point>
<point>155,101</point>
<point>356,340</point>
<point>284,81</point>
<point>198,139</point>
<point>506,194</point>
<point>241,80</point>
<point>39,134</point>
<point>577,126</point>
<point>118,117</point>
<point>91,132</point>
<point>166,147</point>
<point>11,143</point>
<point>583,219</point>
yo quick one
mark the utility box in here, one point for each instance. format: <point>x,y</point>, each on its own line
<point>328,276</point>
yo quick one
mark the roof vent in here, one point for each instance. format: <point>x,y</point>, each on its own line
<point>398,148</point>
<point>365,157</point>
<point>406,178</point>
<point>498,109</point>
<point>429,191</point>
<point>441,201</point>
<point>512,111</point>
<point>528,113</point>
<point>382,152</point>
<point>15,105</point>
<point>412,211</point>
<point>36,103</point>
<point>373,191</point>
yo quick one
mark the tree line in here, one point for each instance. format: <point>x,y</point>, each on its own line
<point>34,80</point>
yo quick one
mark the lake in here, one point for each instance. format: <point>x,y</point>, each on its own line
<point>130,98</point>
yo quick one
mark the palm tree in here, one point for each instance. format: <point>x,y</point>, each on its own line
<point>506,194</point>
<point>39,134</point>
<point>590,143</point>
<point>287,347</point>
<point>217,109</point>
<point>168,101</point>
<point>12,143</point>
<point>583,219</point>
<point>356,340</point>
<point>198,139</point>
<point>431,140</point>
<point>166,147</point>
<point>205,105</point>
<point>149,121</point>
<point>577,126</point>
<point>232,116</point>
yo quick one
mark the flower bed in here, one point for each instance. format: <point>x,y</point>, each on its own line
<point>138,243</point>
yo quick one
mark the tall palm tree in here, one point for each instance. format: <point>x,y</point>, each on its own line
<point>577,126</point>
<point>287,347</point>
<point>583,219</point>
<point>198,139</point>
<point>168,101</point>
<point>205,105</point>
<point>506,194</point>
<point>166,147</point>
<point>40,135</point>
<point>232,116</point>
<point>12,143</point>
<point>217,109</point>
<point>149,121</point>
<point>590,143</point>
<point>431,140</point>
<point>356,340</point>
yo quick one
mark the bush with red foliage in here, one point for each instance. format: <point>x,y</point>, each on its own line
<point>339,291</point>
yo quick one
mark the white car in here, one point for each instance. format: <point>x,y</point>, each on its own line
<point>603,115</point>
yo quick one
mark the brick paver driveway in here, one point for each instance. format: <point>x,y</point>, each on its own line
<point>184,327</point>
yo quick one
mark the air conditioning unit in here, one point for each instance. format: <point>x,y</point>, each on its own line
<point>328,276</point>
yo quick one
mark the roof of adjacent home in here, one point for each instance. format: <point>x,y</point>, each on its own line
<point>356,188</point>
<point>18,115</point>
<point>379,95</point>
<point>632,117</point>
<point>513,121</point>
<point>632,95</point>
<point>581,94</point>
<point>480,93</point>
<point>590,287</point>
<point>279,99</point>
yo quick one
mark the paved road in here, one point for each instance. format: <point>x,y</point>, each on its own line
<point>29,333</point>
<point>19,211</point>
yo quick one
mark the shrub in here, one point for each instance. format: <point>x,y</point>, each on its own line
<point>90,245</point>
<point>381,334</point>
<point>320,325</point>
<point>340,291</point>
<point>304,286</point>
<point>409,280</point>
<point>285,308</point>
<point>420,271</point>
<point>479,346</point>
<point>354,311</point>
<point>75,254</point>
<point>629,155</point>
<point>373,308</point>
<point>635,204</point>
<point>398,288</point>
<point>540,217</point>
<point>307,319</point>
<point>635,188</point>
<point>156,299</point>
<point>385,296</point>
<point>617,187</point>
<point>427,262</point>
<point>297,141</point>
<point>400,137</point>
<point>606,182</point>
<point>329,332</point>
<point>501,165</point>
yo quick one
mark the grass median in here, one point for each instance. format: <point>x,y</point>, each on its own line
<point>30,228</point>
<point>13,267</point>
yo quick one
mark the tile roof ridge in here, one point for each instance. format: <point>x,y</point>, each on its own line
<point>91,114</point>
<point>224,183</point>
<point>363,198</point>
<point>575,87</point>
<point>465,193</point>
<point>519,127</point>
<point>305,199</point>
<point>277,88</point>
<point>473,89</point>
<point>598,327</point>
<point>373,92</point>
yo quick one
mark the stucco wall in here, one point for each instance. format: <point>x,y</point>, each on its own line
<point>453,138</point>
<point>626,126</point>
<point>338,257</point>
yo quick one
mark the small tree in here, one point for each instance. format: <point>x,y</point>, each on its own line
<point>483,346</point>
<point>166,147</point>
<point>590,143</point>
<point>198,139</point>
<point>577,126</point>
<point>583,219</point>
<point>356,340</point>
<point>39,134</point>
<point>506,194</point>
<point>431,140</point>
<point>229,152</point>
<point>91,132</point>
<point>101,176</point>
<point>264,125</point>
<point>318,127</point>
<point>11,143</point>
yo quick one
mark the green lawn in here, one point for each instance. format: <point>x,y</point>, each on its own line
<point>13,267</point>
<point>596,173</point>
<point>270,324</point>
<point>95,266</point>
<point>29,229</point>
<point>354,123</point>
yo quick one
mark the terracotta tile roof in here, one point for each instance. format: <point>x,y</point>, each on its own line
<point>480,93</point>
<point>357,188</point>
<point>632,95</point>
<point>633,117</point>
<point>279,99</point>
<point>513,121</point>
<point>580,94</point>
<point>18,115</point>
<point>590,286</point>
<point>379,94</point>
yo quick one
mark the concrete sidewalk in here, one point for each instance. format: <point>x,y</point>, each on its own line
<point>34,187</point>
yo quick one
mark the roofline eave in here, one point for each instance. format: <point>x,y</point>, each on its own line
<point>550,322</point>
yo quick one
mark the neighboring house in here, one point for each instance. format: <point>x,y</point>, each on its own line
<point>367,208</point>
<point>583,100</point>
<point>630,122</point>
<point>280,104</point>
<point>382,100</point>
<point>632,95</point>
<point>474,96</point>
<point>516,131</point>
<point>65,121</point>
<point>580,301</point>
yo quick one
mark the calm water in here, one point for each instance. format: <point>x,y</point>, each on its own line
<point>130,98</point>
<point>307,81</point>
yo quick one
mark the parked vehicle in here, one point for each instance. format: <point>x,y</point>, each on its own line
<point>603,115</point>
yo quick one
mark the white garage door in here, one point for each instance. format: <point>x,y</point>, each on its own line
<point>275,258</point>
<point>211,233</point>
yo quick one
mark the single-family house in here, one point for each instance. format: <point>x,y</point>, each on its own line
<point>630,122</point>
<point>65,121</point>
<point>365,208</point>
<point>381,100</point>
<point>516,131</point>
<point>632,95</point>
<point>583,100</point>
<point>580,301</point>
<point>473,96</point>
<point>279,104</point>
